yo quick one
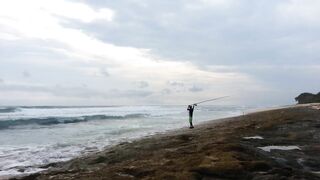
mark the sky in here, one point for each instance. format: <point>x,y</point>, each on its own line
<point>147,52</point>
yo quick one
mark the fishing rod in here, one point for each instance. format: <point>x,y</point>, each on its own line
<point>211,100</point>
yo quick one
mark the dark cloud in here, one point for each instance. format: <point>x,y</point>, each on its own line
<point>84,85</point>
<point>26,74</point>
<point>130,93</point>
<point>142,84</point>
<point>195,89</point>
<point>104,72</point>
<point>175,83</point>
<point>247,32</point>
<point>135,93</point>
<point>166,91</point>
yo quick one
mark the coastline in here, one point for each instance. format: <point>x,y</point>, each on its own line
<point>214,149</point>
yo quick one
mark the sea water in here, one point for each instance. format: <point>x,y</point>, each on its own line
<point>31,137</point>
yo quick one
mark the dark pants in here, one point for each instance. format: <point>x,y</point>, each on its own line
<point>190,121</point>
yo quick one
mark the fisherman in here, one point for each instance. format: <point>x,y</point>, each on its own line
<point>190,109</point>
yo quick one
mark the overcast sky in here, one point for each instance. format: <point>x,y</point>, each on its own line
<point>94,52</point>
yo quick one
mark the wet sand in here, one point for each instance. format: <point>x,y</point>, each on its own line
<point>280,143</point>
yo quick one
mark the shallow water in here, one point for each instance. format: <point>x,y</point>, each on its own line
<point>35,136</point>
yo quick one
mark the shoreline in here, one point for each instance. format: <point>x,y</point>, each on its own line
<point>215,148</point>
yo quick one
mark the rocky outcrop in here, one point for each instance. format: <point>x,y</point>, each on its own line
<point>308,98</point>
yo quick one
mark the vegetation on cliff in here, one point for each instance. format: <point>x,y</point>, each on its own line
<point>305,98</point>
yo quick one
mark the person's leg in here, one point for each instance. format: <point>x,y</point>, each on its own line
<point>190,121</point>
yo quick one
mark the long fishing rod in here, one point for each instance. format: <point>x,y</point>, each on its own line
<point>211,99</point>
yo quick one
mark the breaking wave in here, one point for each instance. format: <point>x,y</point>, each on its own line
<point>8,109</point>
<point>5,124</point>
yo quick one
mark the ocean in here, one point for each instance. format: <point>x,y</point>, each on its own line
<point>31,137</point>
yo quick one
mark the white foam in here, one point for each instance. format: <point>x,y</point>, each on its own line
<point>284,148</point>
<point>253,137</point>
<point>316,173</point>
<point>6,174</point>
<point>317,107</point>
<point>27,148</point>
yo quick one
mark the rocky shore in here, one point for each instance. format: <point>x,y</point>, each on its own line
<point>282,143</point>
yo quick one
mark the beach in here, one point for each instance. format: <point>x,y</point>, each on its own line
<point>32,137</point>
<point>280,143</point>
<point>168,89</point>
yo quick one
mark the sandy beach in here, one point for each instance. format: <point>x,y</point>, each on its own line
<point>280,143</point>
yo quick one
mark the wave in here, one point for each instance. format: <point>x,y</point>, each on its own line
<point>47,121</point>
<point>8,109</point>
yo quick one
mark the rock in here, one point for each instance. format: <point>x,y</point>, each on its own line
<point>225,166</point>
<point>305,98</point>
<point>221,169</point>
<point>99,159</point>
<point>258,166</point>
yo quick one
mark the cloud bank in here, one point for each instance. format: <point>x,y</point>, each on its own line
<point>157,52</point>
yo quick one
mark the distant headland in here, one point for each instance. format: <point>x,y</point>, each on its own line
<point>304,98</point>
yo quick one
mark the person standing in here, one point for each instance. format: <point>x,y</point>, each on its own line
<point>190,109</point>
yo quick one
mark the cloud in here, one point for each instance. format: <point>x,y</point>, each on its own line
<point>1,81</point>
<point>104,72</point>
<point>73,91</point>
<point>133,93</point>
<point>56,90</point>
<point>248,32</point>
<point>301,12</point>
<point>195,89</point>
<point>175,83</point>
<point>174,46</point>
<point>61,8</point>
<point>26,74</point>
<point>142,84</point>
<point>166,91</point>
